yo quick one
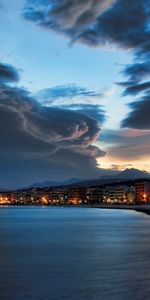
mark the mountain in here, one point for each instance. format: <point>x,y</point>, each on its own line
<point>55,183</point>
<point>133,174</point>
<point>128,174</point>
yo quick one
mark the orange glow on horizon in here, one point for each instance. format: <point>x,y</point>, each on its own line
<point>109,162</point>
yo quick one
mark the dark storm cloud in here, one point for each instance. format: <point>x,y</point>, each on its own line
<point>8,73</point>
<point>123,23</point>
<point>126,23</point>
<point>15,140</point>
<point>71,17</point>
<point>46,142</point>
<point>139,117</point>
<point>137,71</point>
<point>47,123</point>
<point>95,22</point>
<point>135,89</point>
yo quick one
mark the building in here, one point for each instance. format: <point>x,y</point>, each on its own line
<point>94,195</point>
<point>142,191</point>
<point>119,194</point>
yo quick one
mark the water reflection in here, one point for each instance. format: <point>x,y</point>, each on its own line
<point>74,253</point>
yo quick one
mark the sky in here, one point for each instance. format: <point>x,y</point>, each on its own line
<point>74,89</point>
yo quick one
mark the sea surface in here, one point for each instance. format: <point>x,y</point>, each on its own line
<point>74,253</point>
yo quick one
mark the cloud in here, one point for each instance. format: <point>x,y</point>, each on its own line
<point>95,22</point>
<point>125,24</point>
<point>137,71</point>
<point>44,143</point>
<point>52,125</point>
<point>74,98</point>
<point>120,167</point>
<point>139,117</point>
<point>8,73</point>
<point>135,89</point>
<point>127,144</point>
<point>94,111</point>
<point>68,16</point>
<point>71,92</point>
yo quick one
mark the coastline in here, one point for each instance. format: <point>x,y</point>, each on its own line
<point>143,208</point>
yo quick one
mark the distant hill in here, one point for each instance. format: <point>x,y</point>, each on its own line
<point>132,174</point>
<point>55,183</point>
<point>128,174</point>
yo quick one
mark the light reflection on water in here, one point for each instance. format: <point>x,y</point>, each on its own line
<point>74,253</point>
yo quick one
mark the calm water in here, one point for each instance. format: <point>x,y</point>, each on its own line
<point>74,253</point>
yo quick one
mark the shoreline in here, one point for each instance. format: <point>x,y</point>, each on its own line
<point>143,208</point>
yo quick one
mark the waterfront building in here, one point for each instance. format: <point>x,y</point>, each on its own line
<point>142,191</point>
<point>95,195</point>
<point>119,194</point>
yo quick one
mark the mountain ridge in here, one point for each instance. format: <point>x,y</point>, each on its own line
<point>127,174</point>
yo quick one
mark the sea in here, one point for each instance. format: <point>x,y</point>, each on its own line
<point>56,253</point>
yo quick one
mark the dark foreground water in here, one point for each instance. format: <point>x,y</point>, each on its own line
<point>74,253</point>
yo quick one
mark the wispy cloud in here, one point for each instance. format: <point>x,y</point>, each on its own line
<point>74,98</point>
<point>126,144</point>
<point>68,94</point>
<point>8,73</point>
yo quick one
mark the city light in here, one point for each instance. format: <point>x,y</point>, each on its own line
<point>117,193</point>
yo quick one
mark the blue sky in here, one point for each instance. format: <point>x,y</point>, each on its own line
<point>71,46</point>
<point>46,60</point>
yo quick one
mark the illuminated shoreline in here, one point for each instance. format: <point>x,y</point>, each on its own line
<point>143,208</point>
